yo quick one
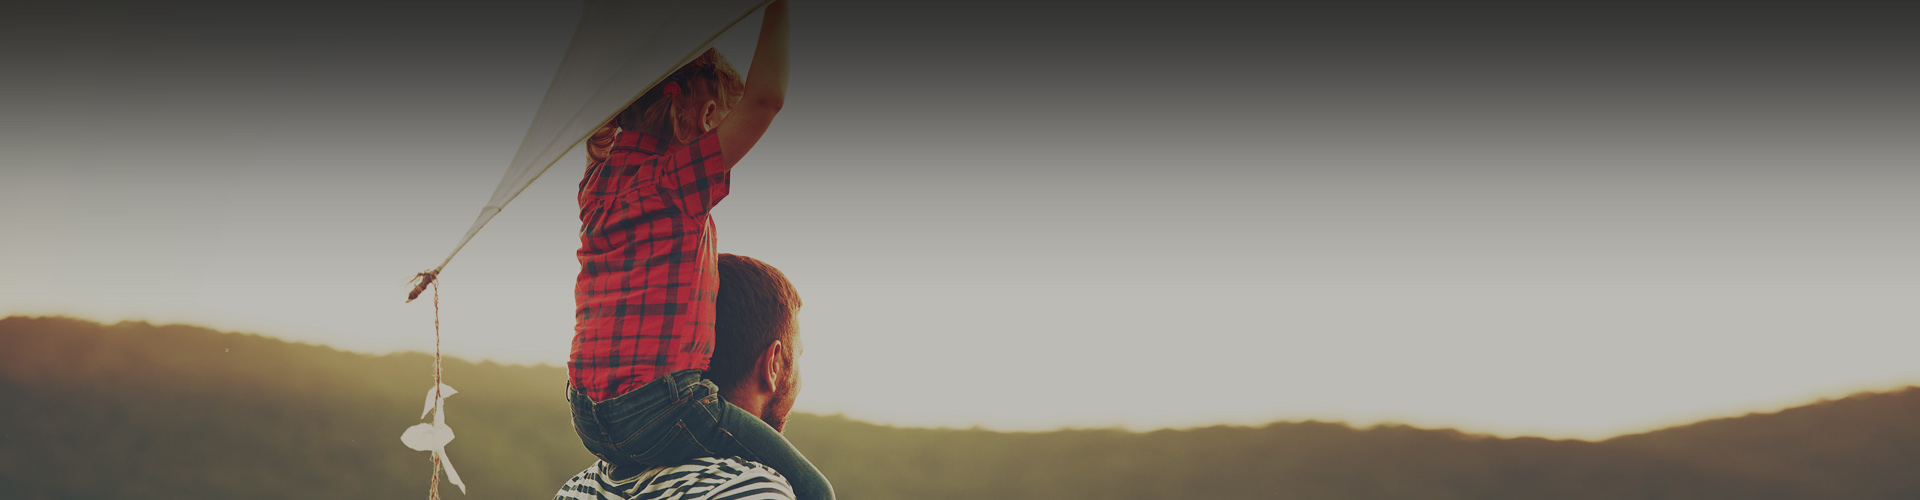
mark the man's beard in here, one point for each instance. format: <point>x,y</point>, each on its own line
<point>775,413</point>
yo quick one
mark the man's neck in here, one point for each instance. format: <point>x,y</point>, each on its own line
<point>755,403</point>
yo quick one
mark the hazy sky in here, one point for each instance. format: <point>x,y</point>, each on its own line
<point>1572,222</point>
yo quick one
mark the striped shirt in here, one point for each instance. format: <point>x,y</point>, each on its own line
<point>699,479</point>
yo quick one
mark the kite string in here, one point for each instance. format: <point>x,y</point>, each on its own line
<point>427,278</point>
<point>433,492</point>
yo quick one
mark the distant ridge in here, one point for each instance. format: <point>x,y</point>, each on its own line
<point>1862,446</point>
<point>134,410</point>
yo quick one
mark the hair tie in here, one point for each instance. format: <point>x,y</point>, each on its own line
<point>672,89</point>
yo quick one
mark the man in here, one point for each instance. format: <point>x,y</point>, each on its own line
<point>756,343</point>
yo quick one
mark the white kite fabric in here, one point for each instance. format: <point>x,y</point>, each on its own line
<point>621,49</point>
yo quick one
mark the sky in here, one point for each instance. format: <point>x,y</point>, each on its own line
<point>1573,222</point>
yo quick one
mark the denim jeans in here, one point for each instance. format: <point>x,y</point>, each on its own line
<point>678,417</point>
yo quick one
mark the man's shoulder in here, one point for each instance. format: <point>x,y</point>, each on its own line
<point>732,478</point>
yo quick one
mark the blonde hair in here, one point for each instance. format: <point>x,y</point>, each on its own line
<point>708,77</point>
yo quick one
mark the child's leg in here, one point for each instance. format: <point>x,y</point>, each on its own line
<point>679,417</point>
<point>733,432</point>
<point>643,428</point>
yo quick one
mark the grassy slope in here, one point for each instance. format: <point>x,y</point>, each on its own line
<point>137,411</point>
<point>134,410</point>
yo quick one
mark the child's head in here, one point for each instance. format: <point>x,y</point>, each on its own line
<point>688,102</point>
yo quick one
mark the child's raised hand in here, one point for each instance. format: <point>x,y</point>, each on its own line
<point>766,88</point>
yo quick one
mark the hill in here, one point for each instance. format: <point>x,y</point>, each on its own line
<point>134,410</point>
<point>1863,446</point>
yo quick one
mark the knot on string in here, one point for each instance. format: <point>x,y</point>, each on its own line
<point>421,280</point>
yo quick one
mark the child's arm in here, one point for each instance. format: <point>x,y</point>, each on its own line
<point>766,88</point>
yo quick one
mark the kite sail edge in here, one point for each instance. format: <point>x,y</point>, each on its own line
<point>713,18</point>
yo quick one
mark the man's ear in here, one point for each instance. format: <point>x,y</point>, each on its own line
<point>708,117</point>
<point>772,365</point>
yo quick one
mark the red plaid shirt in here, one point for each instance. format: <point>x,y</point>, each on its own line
<point>648,270</point>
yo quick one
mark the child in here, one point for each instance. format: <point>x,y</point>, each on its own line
<point>643,330</point>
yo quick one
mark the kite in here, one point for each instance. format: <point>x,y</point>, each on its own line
<point>620,49</point>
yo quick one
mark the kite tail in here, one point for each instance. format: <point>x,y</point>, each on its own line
<point>425,279</point>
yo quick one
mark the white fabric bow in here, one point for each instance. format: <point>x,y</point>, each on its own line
<point>434,437</point>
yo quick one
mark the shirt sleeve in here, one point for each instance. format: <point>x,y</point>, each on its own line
<point>756,483</point>
<point>695,176</point>
<point>587,485</point>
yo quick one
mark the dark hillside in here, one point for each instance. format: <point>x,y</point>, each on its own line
<point>140,411</point>
<point>1309,460</point>
<point>1863,446</point>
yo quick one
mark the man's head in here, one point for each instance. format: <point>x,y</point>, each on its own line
<point>756,339</point>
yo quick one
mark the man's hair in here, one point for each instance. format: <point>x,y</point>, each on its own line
<point>754,308</point>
